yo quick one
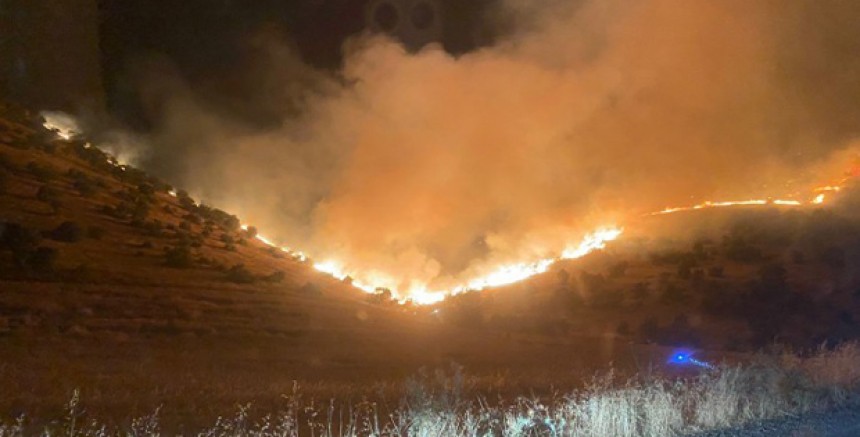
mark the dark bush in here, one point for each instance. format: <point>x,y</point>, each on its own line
<point>7,164</point>
<point>140,211</point>
<point>43,259</point>
<point>638,292</point>
<point>68,232</point>
<point>715,271</point>
<point>833,257</point>
<point>674,294</point>
<point>251,232</point>
<point>240,275</point>
<point>4,181</point>
<point>47,193</point>
<point>649,330</point>
<point>311,289</point>
<point>44,173</point>
<point>381,296</point>
<point>276,277</point>
<point>146,190</point>
<point>55,205</point>
<point>192,218</point>
<point>153,228</point>
<point>95,232</point>
<point>797,257</point>
<point>623,330</point>
<point>85,187</point>
<point>178,257</point>
<point>185,200</point>
<point>18,238</point>
<point>738,249</point>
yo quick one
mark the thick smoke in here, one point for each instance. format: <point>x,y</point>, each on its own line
<point>430,168</point>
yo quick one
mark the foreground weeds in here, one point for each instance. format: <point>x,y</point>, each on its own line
<point>434,404</point>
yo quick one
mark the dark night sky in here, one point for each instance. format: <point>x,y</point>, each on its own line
<point>206,41</point>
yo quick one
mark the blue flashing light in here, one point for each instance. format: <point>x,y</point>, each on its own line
<point>685,358</point>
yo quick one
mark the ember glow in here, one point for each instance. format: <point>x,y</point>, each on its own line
<point>63,124</point>
<point>500,276</point>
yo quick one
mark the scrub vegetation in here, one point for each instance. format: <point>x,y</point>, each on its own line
<point>440,403</point>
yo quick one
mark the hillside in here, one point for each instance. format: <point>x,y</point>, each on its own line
<point>111,284</point>
<point>115,283</point>
<point>738,279</point>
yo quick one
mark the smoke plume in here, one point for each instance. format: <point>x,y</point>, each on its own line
<point>415,169</point>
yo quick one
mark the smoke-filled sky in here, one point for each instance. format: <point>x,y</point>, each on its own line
<point>432,168</point>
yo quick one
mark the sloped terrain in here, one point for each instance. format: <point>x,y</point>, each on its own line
<point>113,283</point>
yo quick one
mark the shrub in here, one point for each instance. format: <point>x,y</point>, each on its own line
<point>381,296</point>
<point>178,257</point>
<point>146,190</point>
<point>95,232</point>
<point>85,187</point>
<point>4,181</point>
<point>7,164</point>
<point>623,330</point>
<point>44,173</point>
<point>43,259</point>
<point>251,232</point>
<point>715,271</point>
<point>46,194</point>
<point>737,249</point>
<point>276,277</point>
<point>797,257</point>
<point>185,200</point>
<point>55,205</point>
<point>240,275</point>
<point>68,232</point>
<point>833,257</point>
<point>153,228</point>
<point>16,237</point>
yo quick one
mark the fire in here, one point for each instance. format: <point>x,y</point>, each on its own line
<point>420,293</point>
<point>63,124</point>
<point>818,199</point>
<point>503,275</point>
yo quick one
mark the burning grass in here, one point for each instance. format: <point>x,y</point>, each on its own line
<point>435,404</point>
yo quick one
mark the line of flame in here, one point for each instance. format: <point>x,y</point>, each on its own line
<point>503,275</point>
